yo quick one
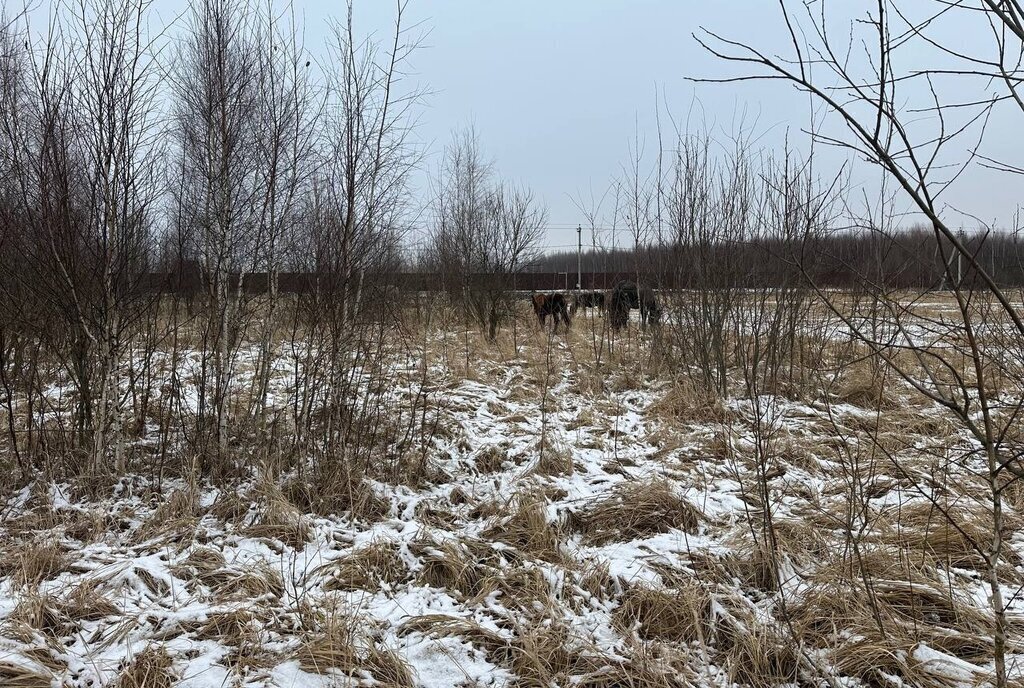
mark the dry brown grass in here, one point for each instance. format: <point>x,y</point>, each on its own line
<point>199,566</point>
<point>523,588</point>
<point>239,629</point>
<point>869,625</point>
<point>24,675</point>
<point>490,459</point>
<point>233,506</point>
<point>205,566</point>
<point>332,489</point>
<point>174,520</point>
<point>279,519</point>
<point>762,657</point>
<point>459,566</point>
<point>86,602</point>
<point>554,458</point>
<point>496,646</point>
<point>528,529</point>
<point>636,510</point>
<point>40,613</point>
<point>151,668</point>
<point>679,615</point>
<point>89,525</point>
<point>337,647</point>
<point>683,403</point>
<point>865,384</point>
<point>372,567</point>
<point>957,536</point>
<point>596,581</point>
<point>34,562</point>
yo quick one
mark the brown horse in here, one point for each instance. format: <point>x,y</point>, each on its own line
<point>553,305</point>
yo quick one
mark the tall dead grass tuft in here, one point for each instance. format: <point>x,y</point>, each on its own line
<point>14,674</point>
<point>762,657</point>
<point>198,567</point>
<point>174,520</point>
<point>279,519</point>
<point>337,647</point>
<point>34,562</point>
<point>864,384</point>
<point>683,403</point>
<point>458,566</point>
<point>496,646</point>
<point>490,459</point>
<point>151,668</point>
<point>331,488</point>
<point>373,567</point>
<point>959,537</point>
<point>554,458</point>
<point>40,613</point>
<point>680,615</point>
<point>524,588</point>
<point>636,510</point>
<point>528,529</point>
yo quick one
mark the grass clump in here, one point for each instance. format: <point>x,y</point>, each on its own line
<point>279,519</point>
<point>528,529</point>
<point>23,675</point>
<point>460,566</point>
<point>681,615</point>
<point>376,566</point>
<point>34,562</point>
<point>337,648</point>
<point>151,668</point>
<point>496,646</point>
<point>636,510</point>
<point>331,489</point>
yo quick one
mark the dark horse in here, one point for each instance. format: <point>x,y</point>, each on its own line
<point>553,305</point>
<point>626,296</point>
<point>587,299</point>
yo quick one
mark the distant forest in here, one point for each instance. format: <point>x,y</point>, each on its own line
<point>906,259</point>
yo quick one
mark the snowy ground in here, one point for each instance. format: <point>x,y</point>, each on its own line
<point>616,540</point>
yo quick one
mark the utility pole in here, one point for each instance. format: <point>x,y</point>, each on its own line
<point>579,257</point>
<point>960,235</point>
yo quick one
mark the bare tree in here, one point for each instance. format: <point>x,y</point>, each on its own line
<point>216,89</point>
<point>82,144</point>
<point>485,233</point>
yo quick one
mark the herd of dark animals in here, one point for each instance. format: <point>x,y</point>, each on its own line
<point>619,301</point>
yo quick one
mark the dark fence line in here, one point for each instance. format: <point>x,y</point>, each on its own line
<point>307,282</point>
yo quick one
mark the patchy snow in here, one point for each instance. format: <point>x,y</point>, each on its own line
<point>609,439</point>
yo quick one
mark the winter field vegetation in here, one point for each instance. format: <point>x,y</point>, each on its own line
<point>806,473</point>
<point>571,509</point>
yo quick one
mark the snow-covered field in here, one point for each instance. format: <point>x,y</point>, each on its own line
<point>580,526</point>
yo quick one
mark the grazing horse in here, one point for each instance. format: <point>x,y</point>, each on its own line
<point>553,305</point>
<point>626,296</point>
<point>587,299</point>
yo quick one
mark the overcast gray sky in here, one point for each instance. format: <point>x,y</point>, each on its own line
<point>557,90</point>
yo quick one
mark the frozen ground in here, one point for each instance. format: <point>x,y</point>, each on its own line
<point>577,529</point>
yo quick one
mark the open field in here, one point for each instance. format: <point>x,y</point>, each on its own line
<point>571,512</point>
